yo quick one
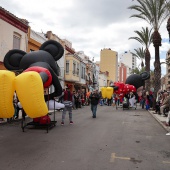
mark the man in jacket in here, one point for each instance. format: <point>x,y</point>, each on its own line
<point>94,98</point>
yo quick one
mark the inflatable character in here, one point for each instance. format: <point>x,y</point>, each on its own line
<point>138,80</point>
<point>39,70</point>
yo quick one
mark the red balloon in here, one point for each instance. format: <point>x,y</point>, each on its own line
<point>132,88</point>
<point>126,88</point>
<point>120,86</point>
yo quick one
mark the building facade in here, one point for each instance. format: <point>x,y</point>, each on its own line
<point>109,62</point>
<point>123,72</point>
<point>72,63</point>
<point>103,80</point>
<point>35,40</point>
<point>13,34</point>
<point>128,59</point>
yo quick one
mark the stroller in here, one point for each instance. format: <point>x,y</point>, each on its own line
<point>126,104</point>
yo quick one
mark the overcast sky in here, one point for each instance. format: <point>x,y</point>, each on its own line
<point>90,25</point>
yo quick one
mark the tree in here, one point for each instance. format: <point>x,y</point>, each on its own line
<point>138,70</point>
<point>153,12</point>
<point>140,54</point>
<point>145,38</point>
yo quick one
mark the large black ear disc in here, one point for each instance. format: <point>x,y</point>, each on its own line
<point>12,59</point>
<point>54,48</point>
<point>145,75</point>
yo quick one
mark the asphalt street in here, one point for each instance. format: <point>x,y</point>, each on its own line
<point>115,140</point>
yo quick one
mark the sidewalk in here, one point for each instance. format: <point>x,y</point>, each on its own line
<point>161,120</point>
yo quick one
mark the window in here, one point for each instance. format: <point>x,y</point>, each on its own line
<point>74,67</point>
<point>16,40</point>
<point>84,73</point>
<point>77,68</point>
<point>67,66</point>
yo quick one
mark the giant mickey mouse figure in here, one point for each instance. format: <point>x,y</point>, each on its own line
<point>37,66</point>
<point>138,80</point>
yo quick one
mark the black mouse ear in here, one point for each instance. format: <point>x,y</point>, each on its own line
<point>12,59</point>
<point>145,75</point>
<point>115,88</point>
<point>54,48</point>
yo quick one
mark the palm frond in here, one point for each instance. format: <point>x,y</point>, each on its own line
<point>144,37</point>
<point>139,53</point>
<point>152,11</point>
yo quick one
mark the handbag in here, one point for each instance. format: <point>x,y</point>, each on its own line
<point>67,103</point>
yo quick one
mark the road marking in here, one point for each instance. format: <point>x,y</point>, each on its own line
<point>126,122</point>
<point>113,157</point>
<point>166,162</point>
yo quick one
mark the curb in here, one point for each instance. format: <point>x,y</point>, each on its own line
<point>167,128</point>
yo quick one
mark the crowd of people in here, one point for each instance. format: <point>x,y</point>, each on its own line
<point>162,102</point>
<point>79,98</point>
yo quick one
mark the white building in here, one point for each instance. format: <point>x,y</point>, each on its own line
<point>128,59</point>
<point>102,80</point>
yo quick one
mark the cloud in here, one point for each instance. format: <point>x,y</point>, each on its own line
<point>89,24</point>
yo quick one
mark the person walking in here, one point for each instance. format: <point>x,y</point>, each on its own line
<point>68,105</point>
<point>132,99</point>
<point>109,101</point>
<point>94,98</point>
<point>87,98</point>
<point>73,100</point>
<point>76,99</point>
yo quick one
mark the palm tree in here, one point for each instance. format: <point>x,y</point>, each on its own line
<point>154,12</point>
<point>152,77</point>
<point>168,22</point>
<point>137,71</point>
<point>145,38</point>
<point>140,54</point>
